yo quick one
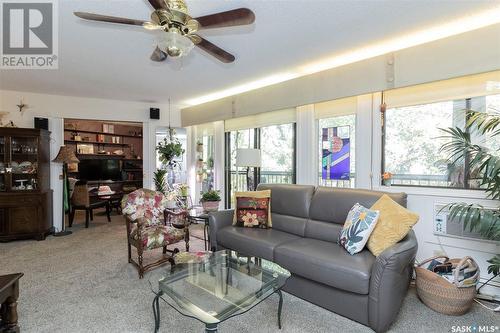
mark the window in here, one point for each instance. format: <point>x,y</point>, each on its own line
<point>413,141</point>
<point>236,177</point>
<point>337,164</point>
<point>277,145</point>
<point>205,167</point>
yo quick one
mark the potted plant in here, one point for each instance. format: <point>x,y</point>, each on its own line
<point>169,149</point>
<point>199,163</point>
<point>483,165</point>
<point>210,201</point>
<point>199,147</point>
<point>387,178</point>
<point>159,180</point>
<point>183,190</point>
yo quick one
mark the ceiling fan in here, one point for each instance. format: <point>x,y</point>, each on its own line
<point>179,30</point>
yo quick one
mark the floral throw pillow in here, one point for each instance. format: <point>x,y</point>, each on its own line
<point>253,209</point>
<point>358,227</point>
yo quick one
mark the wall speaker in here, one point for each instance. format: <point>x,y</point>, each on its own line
<point>154,113</point>
<point>42,123</point>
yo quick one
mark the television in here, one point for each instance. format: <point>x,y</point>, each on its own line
<point>99,169</point>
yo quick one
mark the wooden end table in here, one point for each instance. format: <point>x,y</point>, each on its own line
<point>9,293</point>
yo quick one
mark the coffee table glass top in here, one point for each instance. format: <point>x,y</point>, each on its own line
<point>221,285</point>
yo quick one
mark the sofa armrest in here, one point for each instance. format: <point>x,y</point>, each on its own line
<point>217,221</point>
<point>390,277</point>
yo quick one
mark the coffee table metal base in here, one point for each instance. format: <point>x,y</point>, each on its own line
<point>209,328</point>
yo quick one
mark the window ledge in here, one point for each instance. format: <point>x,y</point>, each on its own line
<point>436,192</point>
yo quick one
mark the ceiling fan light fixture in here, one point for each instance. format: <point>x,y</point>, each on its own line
<point>175,44</point>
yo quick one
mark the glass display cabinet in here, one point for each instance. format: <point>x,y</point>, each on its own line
<point>25,194</point>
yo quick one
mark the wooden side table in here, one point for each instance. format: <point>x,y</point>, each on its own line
<point>9,293</point>
<point>178,219</point>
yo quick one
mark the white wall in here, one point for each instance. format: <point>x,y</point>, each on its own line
<point>56,108</point>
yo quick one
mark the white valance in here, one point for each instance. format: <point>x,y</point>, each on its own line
<point>335,108</point>
<point>206,129</point>
<point>285,116</point>
<point>446,90</point>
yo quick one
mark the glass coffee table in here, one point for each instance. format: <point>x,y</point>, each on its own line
<point>219,286</point>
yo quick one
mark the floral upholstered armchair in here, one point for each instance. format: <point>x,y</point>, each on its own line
<point>146,230</point>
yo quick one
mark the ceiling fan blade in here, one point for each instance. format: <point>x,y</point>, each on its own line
<point>240,16</point>
<point>110,19</point>
<point>214,50</point>
<point>158,55</point>
<point>158,4</point>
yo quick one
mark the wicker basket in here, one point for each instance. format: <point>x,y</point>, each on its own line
<point>441,295</point>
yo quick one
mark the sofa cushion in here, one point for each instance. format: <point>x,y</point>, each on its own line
<point>326,231</point>
<point>333,204</point>
<point>290,224</point>
<point>253,242</point>
<point>286,199</point>
<point>327,263</point>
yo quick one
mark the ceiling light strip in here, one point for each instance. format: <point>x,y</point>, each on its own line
<point>452,28</point>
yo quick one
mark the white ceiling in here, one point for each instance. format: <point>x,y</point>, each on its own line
<point>112,61</point>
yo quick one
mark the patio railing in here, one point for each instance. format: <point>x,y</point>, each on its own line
<point>270,177</point>
<point>283,177</point>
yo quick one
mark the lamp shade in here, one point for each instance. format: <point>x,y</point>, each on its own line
<point>66,155</point>
<point>248,158</point>
<point>174,44</point>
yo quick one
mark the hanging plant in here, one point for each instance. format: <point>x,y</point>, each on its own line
<point>169,149</point>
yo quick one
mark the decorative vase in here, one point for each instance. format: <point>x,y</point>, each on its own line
<point>387,182</point>
<point>210,206</point>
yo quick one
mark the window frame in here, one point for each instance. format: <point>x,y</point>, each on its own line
<point>256,171</point>
<point>468,191</point>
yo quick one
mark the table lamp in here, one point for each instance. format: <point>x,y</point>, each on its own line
<point>65,156</point>
<point>248,158</point>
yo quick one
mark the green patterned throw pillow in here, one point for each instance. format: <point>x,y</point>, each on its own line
<point>358,227</point>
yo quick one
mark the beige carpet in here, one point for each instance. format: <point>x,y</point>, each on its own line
<point>83,283</point>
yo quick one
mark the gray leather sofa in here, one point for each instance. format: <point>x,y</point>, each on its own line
<point>306,224</point>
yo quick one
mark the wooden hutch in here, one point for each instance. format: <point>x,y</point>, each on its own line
<point>25,194</point>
